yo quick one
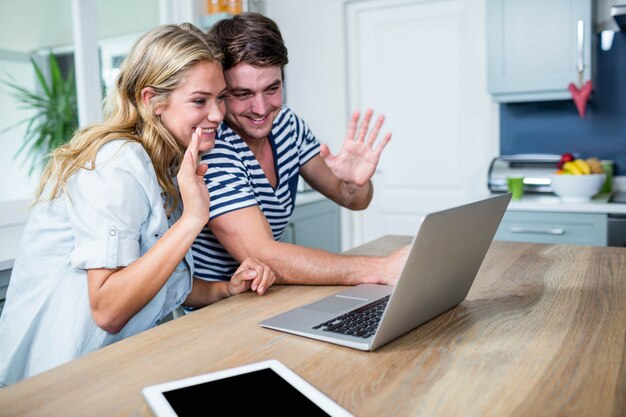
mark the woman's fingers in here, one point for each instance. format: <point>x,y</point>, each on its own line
<point>264,277</point>
<point>190,158</point>
<point>266,281</point>
<point>201,170</point>
<point>193,190</point>
<point>194,145</point>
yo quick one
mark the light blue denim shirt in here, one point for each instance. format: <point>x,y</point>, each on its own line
<point>108,218</point>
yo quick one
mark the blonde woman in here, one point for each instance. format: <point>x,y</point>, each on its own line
<point>105,253</point>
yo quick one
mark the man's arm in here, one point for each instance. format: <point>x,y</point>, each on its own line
<point>348,195</point>
<point>245,233</point>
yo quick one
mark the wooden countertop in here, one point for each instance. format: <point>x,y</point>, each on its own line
<point>541,333</point>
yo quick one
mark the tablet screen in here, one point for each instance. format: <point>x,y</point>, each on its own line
<point>261,392</point>
<point>262,388</point>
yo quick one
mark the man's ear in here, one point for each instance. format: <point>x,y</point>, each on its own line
<point>147,94</point>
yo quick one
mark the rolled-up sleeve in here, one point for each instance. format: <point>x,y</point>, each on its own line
<point>108,205</point>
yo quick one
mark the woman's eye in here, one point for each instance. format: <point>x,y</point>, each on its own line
<point>200,101</point>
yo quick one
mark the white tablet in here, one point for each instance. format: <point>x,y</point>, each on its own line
<point>262,388</point>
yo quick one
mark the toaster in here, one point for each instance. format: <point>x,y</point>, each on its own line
<point>536,169</point>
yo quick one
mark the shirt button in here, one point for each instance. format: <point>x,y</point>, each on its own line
<point>112,232</point>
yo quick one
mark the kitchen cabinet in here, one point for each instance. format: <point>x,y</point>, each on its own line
<point>12,223</point>
<point>533,50</point>
<point>315,224</point>
<point>554,227</point>
<point>4,284</point>
<point>422,64</point>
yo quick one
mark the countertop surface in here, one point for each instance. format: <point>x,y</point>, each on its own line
<point>541,333</point>
<point>540,202</point>
<point>549,202</point>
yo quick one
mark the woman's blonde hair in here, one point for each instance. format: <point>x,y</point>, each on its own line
<point>159,60</point>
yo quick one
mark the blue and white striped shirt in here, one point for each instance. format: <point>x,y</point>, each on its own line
<point>236,180</point>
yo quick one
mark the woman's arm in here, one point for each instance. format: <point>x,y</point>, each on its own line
<point>116,295</point>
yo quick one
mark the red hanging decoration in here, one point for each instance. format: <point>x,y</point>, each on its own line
<point>581,96</point>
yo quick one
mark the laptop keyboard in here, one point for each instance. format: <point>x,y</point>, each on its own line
<point>361,322</point>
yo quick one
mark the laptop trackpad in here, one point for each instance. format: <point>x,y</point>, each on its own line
<point>334,304</point>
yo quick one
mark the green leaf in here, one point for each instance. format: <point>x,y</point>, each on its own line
<point>55,112</point>
<point>40,77</point>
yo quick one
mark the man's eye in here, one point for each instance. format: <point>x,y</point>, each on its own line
<point>273,90</point>
<point>242,96</point>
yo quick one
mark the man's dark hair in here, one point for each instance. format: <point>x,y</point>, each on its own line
<point>249,38</point>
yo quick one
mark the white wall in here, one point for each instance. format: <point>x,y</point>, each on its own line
<point>316,74</point>
<point>15,183</point>
<point>28,25</point>
<point>317,78</point>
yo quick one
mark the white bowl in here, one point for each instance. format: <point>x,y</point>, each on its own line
<point>577,187</point>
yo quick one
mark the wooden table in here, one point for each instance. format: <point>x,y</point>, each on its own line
<point>542,333</point>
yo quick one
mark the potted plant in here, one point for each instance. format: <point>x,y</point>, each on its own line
<point>55,112</point>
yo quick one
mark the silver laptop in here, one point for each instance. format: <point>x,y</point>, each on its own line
<point>440,268</point>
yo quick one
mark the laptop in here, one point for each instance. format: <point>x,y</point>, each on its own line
<point>443,260</point>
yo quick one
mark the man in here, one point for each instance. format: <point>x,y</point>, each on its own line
<point>254,167</point>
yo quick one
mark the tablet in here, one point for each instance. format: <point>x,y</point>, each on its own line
<point>261,388</point>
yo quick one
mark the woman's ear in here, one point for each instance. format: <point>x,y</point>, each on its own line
<point>147,94</point>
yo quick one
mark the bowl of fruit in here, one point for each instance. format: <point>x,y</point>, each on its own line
<point>577,179</point>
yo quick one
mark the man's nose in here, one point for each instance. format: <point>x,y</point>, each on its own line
<point>259,104</point>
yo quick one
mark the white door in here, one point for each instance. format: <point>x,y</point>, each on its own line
<point>422,64</point>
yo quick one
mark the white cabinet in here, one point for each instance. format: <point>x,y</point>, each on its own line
<point>5,275</point>
<point>422,64</point>
<point>533,49</point>
<point>315,225</point>
<point>554,227</point>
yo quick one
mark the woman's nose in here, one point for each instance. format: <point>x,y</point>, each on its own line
<point>216,114</point>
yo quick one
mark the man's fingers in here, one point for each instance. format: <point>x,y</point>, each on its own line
<point>352,126</point>
<point>382,144</point>
<point>375,131</point>
<point>365,125</point>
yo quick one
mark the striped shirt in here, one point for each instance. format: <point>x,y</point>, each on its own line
<point>236,180</point>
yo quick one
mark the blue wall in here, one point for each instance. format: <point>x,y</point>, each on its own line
<point>555,127</point>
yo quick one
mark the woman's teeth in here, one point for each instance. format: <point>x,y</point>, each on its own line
<point>208,130</point>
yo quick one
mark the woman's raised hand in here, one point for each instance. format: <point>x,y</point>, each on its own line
<point>193,189</point>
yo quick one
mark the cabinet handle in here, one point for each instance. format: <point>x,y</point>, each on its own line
<point>553,231</point>
<point>581,57</point>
